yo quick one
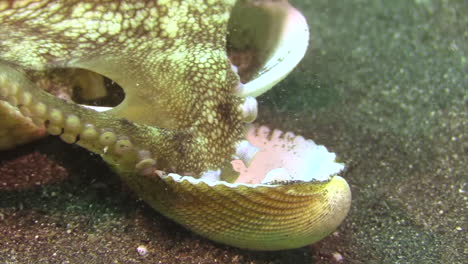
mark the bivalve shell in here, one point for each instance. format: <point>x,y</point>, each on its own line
<point>273,216</point>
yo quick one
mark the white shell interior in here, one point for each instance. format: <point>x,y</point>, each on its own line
<point>285,157</point>
<point>282,44</point>
<point>287,49</point>
<point>280,157</point>
<point>266,158</point>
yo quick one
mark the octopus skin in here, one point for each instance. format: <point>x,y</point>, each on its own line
<point>181,138</point>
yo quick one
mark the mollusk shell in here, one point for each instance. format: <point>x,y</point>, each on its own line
<point>305,203</point>
<point>274,216</point>
<point>279,34</point>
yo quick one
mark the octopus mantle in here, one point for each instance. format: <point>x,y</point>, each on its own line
<point>184,113</point>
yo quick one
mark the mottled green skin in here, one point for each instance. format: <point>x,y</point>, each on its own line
<point>169,57</point>
<point>182,113</point>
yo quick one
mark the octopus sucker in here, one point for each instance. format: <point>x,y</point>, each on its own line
<point>181,136</point>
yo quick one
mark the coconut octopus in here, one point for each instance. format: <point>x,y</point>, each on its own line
<point>181,137</point>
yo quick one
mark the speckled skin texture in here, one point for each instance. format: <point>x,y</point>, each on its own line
<point>182,113</point>
<point>170,61</point>
<point>401,132</point>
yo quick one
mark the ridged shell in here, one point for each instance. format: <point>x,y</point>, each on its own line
<point>260,217</point>
<point>254,216</point>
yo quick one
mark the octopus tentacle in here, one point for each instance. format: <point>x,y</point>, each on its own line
<point>196,102</point>
<point>115,138</point>
<point>266,216</point>
<point>15,128</point>
<point>179,136</point>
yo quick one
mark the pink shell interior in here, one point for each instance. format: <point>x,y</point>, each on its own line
<point>285,157</point>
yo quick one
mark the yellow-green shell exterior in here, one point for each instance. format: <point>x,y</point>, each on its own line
<point>253,217</point>
<point>183,112</point>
